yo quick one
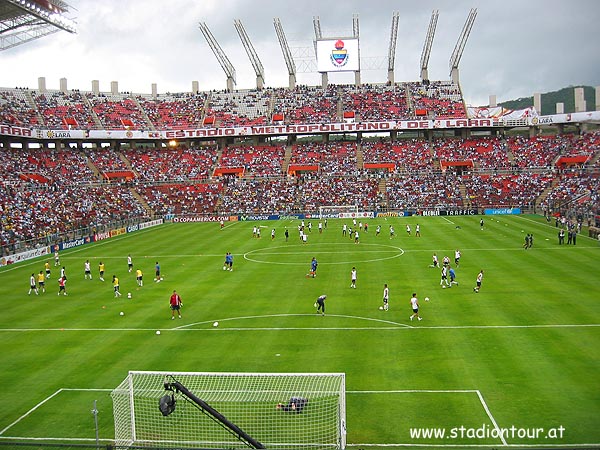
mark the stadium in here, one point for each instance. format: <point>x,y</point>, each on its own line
<point>391,183</point>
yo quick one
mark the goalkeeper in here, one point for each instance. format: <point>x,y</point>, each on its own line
<point>296,404</point>
<point>320,304</point>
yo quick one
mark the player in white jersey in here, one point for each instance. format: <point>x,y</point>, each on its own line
<point>353,278</point>
<point>87,270</point>
<point>414,304</point>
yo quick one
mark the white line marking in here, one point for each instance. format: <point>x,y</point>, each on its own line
<point>488,412</point>
<point>448,220</point>
<point>30,411</point>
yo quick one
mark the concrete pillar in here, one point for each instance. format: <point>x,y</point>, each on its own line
<point>114,87</point>
<point>63,85</point>
<point>96,87</point>
<point>493,101</point>
<point>454,75</point>
<point>42,84</point>
<point>292,81</point>
<point>195,87</point>
<point>324,80</point>
<point>357,78</point>
<point>560,108</point>
<point>390,76</point>
<point>537,102</point>
<point>597,98</point>
<point>154,90</point>
<point>579,100</point>
<point>230,84</point>
<point>260,82</point>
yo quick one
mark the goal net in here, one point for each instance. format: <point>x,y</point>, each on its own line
<point>335,212</point>
<point>278,410</point>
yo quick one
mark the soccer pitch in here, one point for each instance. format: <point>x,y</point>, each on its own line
<point>516,364</point>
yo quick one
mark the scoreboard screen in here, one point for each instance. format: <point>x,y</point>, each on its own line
<point>338,55</point>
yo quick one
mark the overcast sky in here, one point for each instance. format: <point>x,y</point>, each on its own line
<point>516,47</point>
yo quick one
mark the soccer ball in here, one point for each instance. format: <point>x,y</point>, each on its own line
<point>157,331</point>
<point>426,299</point>
<point>216,324</point>
<point>381,308</point>
<point>121,313</point>
<point>129,295</point>
<point>224,267</point>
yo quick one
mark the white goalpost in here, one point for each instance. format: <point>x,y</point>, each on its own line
<point>231,410</point>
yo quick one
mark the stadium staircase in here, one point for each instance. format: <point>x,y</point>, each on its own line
<point>33,106</point>
<point>542,197</point>
<point>463,194</point>
<point>93,168</point>
<point>142,202</point>
<point>595,157</point>
<point>382,189</point>
<point>286,159</point>
<point>148,125</point>
<point>509,153</point>
<point>90,107</point>
<point>360,158</point>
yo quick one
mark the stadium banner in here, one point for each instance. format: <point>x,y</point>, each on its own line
<point>357,215</point>
<point>117,231</point>
<point>588,116</point>
<point>388,214</point>
<point>152,223</point>
<point>293,217</point>
<point>497,211</point>
<point>9,130</point>
<point>191,219</point>
<point>101,236</point>
<point>76,242</point>
<point>246,218</point>
<point>23,256</point>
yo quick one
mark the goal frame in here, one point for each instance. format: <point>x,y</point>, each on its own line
<point>152,384</point>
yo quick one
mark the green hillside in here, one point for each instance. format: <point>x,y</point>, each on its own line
<point>550,99</point>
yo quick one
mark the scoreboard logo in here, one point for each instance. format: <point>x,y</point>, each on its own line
<point>339,56</point>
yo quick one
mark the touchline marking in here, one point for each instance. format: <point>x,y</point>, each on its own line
<point>489,414</point>
<point>396,326</point>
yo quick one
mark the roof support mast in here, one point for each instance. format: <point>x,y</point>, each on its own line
<point>392,47</point>
<point>427,46</point>
<point>287,54</point>
<point>220,54</point>
<point>460,45</point>
<point>356,35</point>
<point>256,64</point>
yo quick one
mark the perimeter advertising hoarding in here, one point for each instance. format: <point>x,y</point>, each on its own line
<point>338,55</point>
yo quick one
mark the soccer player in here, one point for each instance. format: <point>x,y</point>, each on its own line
<point>435,262</point>
<point>414,304</point>
<point>62,286</point>
<point>386,297</point>
<point>42,281</point>
<point>176,304</point>
<point>87,270</point>
<point>408,229</point>
<point>115,282</point>
<point>129,264</point>
<point>56,258</point>
<point>287,235</point>
<point>101,270</point>
<point>391,231</point>
<point>257,232</point>
<point>353,278</point>
<point>229,261</point>
<point>344,229</point>
<point>456,257</point>
<point>313,267</point>
<point>157,272</point>
<point>47,268</point>
<point>478,281</point>
<point>452,276</point>
<point>356,237</point>
<point>444,280</point>
<point>139,277</point>
<point>273,234</point>
<point>417,231</point>
<point>63,272</point>
<point>320,226</point>
<point>377,230</point>
<point>321,304</point>
<point>446,260</point>
<point>32,285</point>
<point>481,224</point>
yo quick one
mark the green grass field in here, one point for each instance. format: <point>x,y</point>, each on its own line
<point>522,353</point>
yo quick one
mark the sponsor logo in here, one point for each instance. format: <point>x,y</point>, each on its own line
<point>74,243</point>
<point>101,236</point>
<point>199,219</point>
<point>132,228</point>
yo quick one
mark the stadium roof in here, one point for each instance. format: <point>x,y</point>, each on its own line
<point>22,21</point>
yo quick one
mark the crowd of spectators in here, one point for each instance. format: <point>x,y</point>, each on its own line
<point>239,108</point>
<point>174,111</point>
<point>64,110</point>
<point>307,104</point>
<point>257,160</point>
<point>419,191</point>
<point>16,110</point>
<point>484,152</point>
<point>184,199</point>
<point>118,112</point>
<point>332,158</point>
<point>258,196</point>
<point>179,163</point>
<point>405,154</point>
<point>437,99</point>
<point>373,102</point>
<point>505,190</point>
